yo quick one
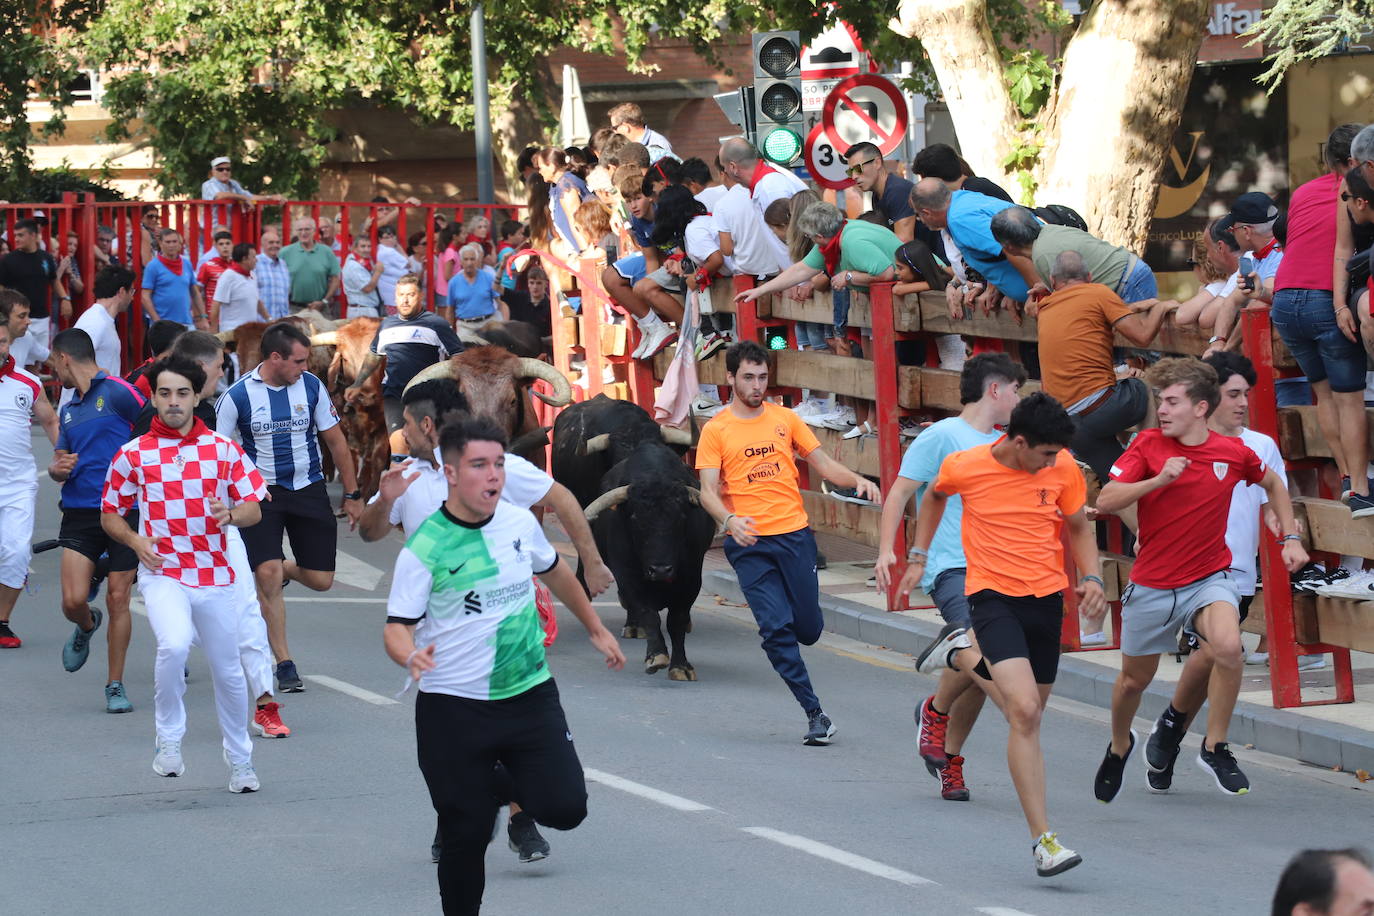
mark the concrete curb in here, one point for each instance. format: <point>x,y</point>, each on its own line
<point>1275,731</point>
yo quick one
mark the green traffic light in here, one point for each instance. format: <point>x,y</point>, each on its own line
<point>782,145</point>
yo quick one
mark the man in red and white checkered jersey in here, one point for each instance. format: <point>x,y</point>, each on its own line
<point>189,483</point>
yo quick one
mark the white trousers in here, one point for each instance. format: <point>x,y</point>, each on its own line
<point>178,614</point>
<point>255,653</point>
<point>16,537</point>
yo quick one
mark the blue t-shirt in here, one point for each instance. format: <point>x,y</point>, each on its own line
<point>970,223</point>
<point>473,300</point>
<point>562,220</point>
<point>641,230</point>
<point>922,462</point>
<point>171,293</point>
<point>94,426</point>
<point>507,277</point>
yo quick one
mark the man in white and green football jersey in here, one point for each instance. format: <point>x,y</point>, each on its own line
<point>461,618</point>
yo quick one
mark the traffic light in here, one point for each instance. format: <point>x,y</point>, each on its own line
<point>778,96</point>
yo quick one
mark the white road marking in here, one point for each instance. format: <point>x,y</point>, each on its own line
<point>1001,911</point>
<point>367,696</point>
<point>838,856</point>
<point>648,792</point>
<point>305,599</point>
<point>348,569</point>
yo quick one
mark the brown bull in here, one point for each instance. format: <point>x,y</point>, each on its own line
<point>362,419</point>
<point>496,384</point>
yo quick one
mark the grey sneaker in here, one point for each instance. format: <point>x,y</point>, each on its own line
<point>243,778</point>
<point>937,655</point>
<point>115,699</point>
<point>819,729</point>
<point>167,761</point>
<point>523,838</point>
<point>78,646</point>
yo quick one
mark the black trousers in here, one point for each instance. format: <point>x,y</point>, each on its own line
<point>460,741</point>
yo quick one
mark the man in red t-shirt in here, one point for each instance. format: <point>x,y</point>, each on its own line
<point>1182,476</point>
<point>210,271</point>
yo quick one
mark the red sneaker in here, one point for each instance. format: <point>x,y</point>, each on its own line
<point>952,786</point>
<point>7,638</point>
<point>930,735</point>
<point>267,722</point>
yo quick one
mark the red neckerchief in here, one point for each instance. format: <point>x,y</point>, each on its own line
<point>172,264</point>
<point>484,244</point>
<point>239,269</point>
<point>1264,252</point>
<point>222,262</point>
<point>8,366</point>
<point>761,171</point>
<point>366,262</point>
<point>831,251</point>
<point>163,431</point>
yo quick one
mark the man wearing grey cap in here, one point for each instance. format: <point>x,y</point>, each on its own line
<point>220,186</point>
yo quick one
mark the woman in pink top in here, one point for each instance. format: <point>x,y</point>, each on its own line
<point>1311,314</point>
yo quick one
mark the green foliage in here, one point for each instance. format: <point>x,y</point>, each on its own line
<point>33,64</point>
<point>1024,156</point>
<point>48,185</point>
<point>1030,79</point>
<point>1294,31</point>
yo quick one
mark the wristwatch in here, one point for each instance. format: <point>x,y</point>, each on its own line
<point>353,494</point>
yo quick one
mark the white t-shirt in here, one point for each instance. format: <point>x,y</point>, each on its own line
<point>1243,523</point>
<point>395,265</point>
<point>757,249</point>
<point>31,348</point>
<point>701,239</point>
<point>776,185</point>
<point>709,195</point>
<point>1223,288</point>
<point>96,322</point>
<point>238,299</point>
<point>525,486</point>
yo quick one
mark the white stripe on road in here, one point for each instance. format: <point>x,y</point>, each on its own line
<point>838,856</point>
<point>654,795</point>
<point>348,569</point>
<point>1001,911</point>
<point>367,696</point>
<point>304,599</point>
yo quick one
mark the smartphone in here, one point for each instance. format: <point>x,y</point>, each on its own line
<point>1247,267</point>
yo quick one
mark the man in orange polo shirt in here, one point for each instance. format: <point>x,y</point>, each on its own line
<point>1016,492</point>
<point>749,446</point>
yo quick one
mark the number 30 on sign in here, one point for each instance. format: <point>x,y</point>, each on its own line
<point>825,163</point>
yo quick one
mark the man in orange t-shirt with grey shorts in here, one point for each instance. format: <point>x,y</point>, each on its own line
<point>745,457</point>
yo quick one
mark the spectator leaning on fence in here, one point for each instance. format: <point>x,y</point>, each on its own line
<point>220,186</point>
<point>627,119</point>
<point>1251,221</point>
<point>891,192</point>
<point>314,268</point>
<point>273,276</point>
<point>966,218</point>
<point>169,284</point>
<point>1032,247</point>
<point>851,252</point>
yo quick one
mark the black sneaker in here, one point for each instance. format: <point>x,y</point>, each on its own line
<point>1108,781</point>
<point>1162,746</point>
<point>1360,506</point>
<point>821,561</point>
<point>523,837</point>
<point>819,729</point>
<point>1310,578</point>
<point>435,847</point>
<point>7,638</point>
<point>1221,763</point>
<point>288,681</point>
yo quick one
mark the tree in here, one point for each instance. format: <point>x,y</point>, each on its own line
<point>34,65</point>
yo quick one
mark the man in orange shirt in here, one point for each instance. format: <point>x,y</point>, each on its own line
<point>1016,493</point>
<point>749,446</point>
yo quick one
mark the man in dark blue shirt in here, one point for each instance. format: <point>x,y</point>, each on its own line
<point>891,192</point>
<point>411,340</point>
<point>91,427</point>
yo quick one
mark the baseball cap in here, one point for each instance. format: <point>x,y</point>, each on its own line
<point>1253,208</point>
<point>219,160</point>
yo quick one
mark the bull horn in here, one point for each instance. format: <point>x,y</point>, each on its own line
<point>606,501</point>
<point>224,336</point>
<point>325,339</point>
<point>442,369</point>
<point>674,436</point>
<point>535,438</point>
<point>537,368</point>
<point>693,495</point>
<point>597,444</point>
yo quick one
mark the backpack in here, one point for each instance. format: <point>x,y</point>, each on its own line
<point>1061,215</point>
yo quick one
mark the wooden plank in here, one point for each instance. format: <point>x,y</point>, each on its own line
<point>1327,525</point>
<point>842,375</point>
<point>1187,340</point>
<point>860,454</point>
<point>940,389</point>
<point>1292,435</point>
<point>723,295</point>
<point>935,318</point>
<point>615,339</point>
<point>848,520</point>
<point>710,372</point>
<point>1304,617</point>
<point>1342,622</point>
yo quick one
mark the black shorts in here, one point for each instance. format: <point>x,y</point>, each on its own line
<point>1027,628</point>
<point>308,520</point>
<point>80,531</point>
<point>392,409</point>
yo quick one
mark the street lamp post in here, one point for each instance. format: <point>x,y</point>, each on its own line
<point>486,189</point>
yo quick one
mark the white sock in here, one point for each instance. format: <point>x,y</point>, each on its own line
<point>648,321</point>
<point>1352,565</point>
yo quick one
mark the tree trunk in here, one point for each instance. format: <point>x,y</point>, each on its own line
<point>956,36</point>
<point>524,122</point>
<point>1120,97</point>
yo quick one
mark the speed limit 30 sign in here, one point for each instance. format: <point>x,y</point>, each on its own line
<point>825,163</point>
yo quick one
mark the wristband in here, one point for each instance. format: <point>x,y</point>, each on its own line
<point>916,553</point>
<point>353,494</point>
<point>1097,579</point>
<point>1289,537</point>
<point>726,523</point>
<point>1212,340</point>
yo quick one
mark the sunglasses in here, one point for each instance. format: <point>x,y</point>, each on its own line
<point>854,170</point>
<point>221,168</point>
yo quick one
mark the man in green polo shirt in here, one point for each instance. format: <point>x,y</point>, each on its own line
<point>852,252</point>
<point>314,268</point>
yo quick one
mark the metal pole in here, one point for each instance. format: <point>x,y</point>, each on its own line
<point>486,189</point>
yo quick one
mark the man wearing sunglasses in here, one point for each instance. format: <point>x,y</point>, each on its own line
<point>891,193</point>
<point>221,186</point>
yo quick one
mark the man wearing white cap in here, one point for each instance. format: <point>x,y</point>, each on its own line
<point>220,186</point>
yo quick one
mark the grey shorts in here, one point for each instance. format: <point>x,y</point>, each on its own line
<point>667,281</point>
<point>1152,617</point>
<point>947,591</point>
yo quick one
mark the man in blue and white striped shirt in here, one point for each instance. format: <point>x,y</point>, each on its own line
<point>280,413</point>
<point>273,276</point>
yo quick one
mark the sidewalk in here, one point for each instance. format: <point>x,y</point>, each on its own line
<point>1337,736</point>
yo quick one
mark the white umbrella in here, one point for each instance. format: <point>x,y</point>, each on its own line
<point>572,121</point>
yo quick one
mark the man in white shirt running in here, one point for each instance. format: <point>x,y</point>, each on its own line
<point>114,290</point>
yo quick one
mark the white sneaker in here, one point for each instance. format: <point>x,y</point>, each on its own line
<point>1357,586</point>
<point>1257,658</point>
<point>656,337</point>
<point>1051,858</point>
<point>243,778</point>
<point>1092,639</point>
<point>167,760</point>
<point>706,407</point>
<point>863,429</point>
<point>1311,662</point>
<point>841,420</point>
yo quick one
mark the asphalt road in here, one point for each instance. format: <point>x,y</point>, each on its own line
<point>703,799</point>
